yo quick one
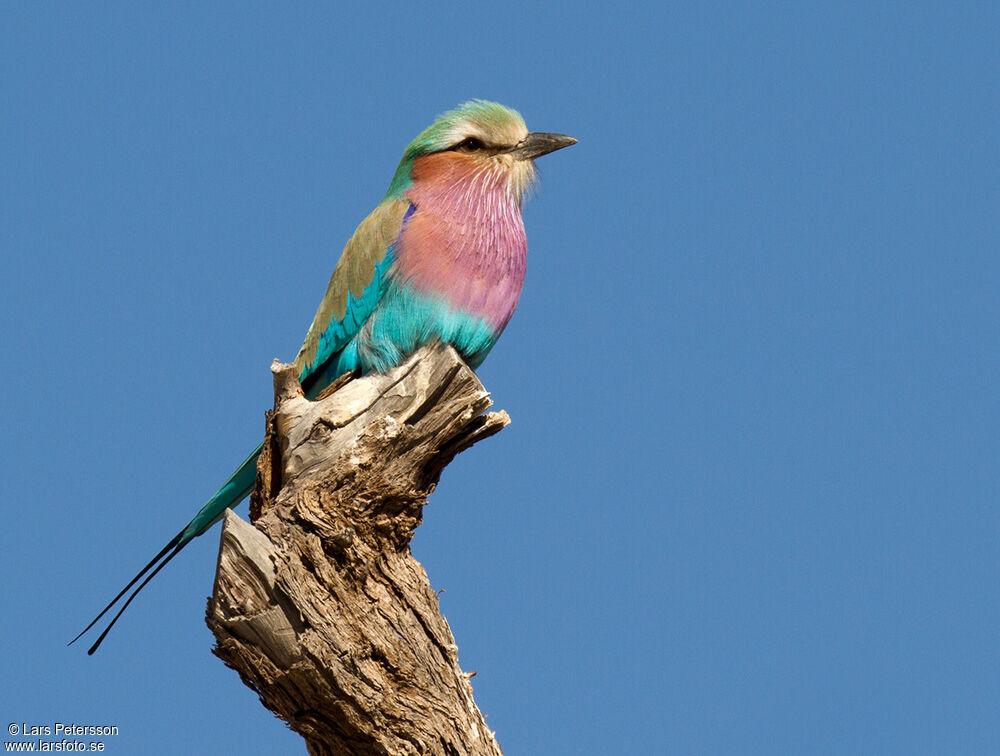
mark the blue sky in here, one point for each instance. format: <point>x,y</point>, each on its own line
<point>748,501</point>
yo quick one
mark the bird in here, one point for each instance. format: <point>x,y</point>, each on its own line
<point>442,258</point>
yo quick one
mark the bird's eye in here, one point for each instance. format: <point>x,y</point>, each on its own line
<point>471,144</point>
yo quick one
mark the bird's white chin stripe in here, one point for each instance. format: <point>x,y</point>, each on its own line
<point>521,176</point>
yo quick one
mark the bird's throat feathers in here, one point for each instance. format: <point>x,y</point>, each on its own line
<point>482,177</point>
<point>465,241</point>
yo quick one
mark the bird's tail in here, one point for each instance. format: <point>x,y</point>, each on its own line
<point>232,493</point>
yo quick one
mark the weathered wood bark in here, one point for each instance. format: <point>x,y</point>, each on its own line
<point>319,605</point>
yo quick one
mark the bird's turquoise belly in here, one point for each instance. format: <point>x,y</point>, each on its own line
<point>406,320</point>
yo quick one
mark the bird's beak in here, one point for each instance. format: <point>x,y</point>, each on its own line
<point>539,143</point>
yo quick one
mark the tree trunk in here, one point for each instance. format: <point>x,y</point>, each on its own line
<point>319,605</point>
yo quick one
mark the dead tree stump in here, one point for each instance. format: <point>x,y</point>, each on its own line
<point>319,604</point>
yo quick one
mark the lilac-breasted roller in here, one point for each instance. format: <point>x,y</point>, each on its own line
<point>442,257</point>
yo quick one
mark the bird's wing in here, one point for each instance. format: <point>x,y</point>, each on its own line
<point>355,288</point>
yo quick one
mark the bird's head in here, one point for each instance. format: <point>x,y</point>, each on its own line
<point>478,139</point>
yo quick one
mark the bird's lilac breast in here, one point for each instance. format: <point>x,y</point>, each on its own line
<point>464,242</point>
